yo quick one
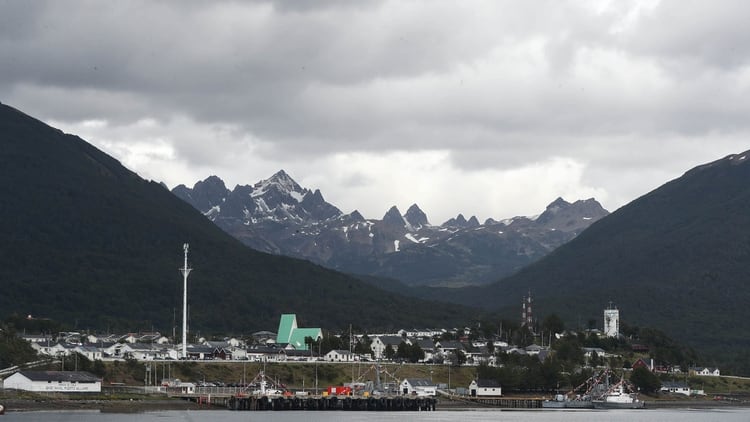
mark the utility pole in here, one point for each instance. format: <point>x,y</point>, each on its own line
<point>185,272</point>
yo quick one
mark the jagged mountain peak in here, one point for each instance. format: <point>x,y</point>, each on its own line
<point>571,217</point>
<point>356,216</point>
<point>392,210</point>
<point>212,185</point>
<point>282,183</point>
<point>458,221</point>
<point>473,222</point>
<point>205,194</point>
<point>393,217</point>
<point>416,217</point>
<point>557,204</point>
<point>318,208</point>
<point>314,196</point>
<point>212,180</point>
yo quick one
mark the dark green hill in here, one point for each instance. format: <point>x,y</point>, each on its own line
<point>677,258</point>
<point>86,241</point>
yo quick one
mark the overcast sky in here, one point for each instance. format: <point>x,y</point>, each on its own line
<point>491,109</point>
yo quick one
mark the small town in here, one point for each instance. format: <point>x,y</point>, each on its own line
<point>155,359</point>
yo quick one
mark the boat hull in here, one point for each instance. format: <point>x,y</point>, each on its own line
<point>567,404</point>
<point>600,404</point>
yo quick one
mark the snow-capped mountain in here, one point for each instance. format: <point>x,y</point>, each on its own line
<point>277,215</point>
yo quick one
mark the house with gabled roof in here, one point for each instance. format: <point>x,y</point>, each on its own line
<point>290,333</point>
<point>200,351</point>
<point>92,353</point>
<point>641,363</point>
<point>59,349</point>
<point>418,387</point>
<point>262,353</point>
<point>485,388</point>
<point>339,356</point>
<point>427,346</point>
<point>143,351</point>
<point>447,346</point>
<point>222,349</point>
<point>675,387</point>
<point>701,371</point>
<point>380,343</point>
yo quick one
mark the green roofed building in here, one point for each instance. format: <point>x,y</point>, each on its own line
<point>289,333</point>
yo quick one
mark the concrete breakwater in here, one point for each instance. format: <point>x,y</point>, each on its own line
<point>396,403</point>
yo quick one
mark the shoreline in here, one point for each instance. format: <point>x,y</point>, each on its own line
<point>104,406</point>
<point>156,405</point>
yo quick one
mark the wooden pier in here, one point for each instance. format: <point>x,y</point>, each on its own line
<point>397,403</point>
<point>509,403</point>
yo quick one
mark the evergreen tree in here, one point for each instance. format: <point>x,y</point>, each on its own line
<point>389,352</point>
<point>13,349</point>
<point>645,380</point>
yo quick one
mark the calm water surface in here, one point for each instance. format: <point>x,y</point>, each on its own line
<point>646,415</point>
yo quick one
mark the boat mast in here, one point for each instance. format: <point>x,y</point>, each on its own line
<point>185,272</point>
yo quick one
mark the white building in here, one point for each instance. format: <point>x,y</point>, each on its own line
<point>380,343</point>
<point>675,387</point>
<point>418,387</point>
<point>339,356</point>
<point>611,321</point>
<point>54,381</point>
<point>485,388</point>
<point>92,353</point>
<point>707,372</point>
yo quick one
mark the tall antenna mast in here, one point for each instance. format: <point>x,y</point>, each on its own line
<point>185,272</point>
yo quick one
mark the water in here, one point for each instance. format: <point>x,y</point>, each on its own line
<point>646,415</point>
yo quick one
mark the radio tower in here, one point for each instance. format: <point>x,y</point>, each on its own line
<point>527,317</point>
<point>185,272</point>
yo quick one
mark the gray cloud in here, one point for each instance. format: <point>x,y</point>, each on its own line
<point>481,89</point>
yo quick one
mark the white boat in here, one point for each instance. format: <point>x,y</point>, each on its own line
<point>617,398</point>
<point>261,386</point>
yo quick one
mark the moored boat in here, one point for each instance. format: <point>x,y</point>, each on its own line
<point>561,401</point>
<point>617,398</point>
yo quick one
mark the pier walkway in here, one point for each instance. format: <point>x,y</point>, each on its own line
<point>397,403</point>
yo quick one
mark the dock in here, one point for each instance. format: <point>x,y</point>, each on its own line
<point>396,403</point>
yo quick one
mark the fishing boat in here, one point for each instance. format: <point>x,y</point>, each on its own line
<point>262,386</point>
<point>616,397</point>
<point>580,397</point>
<point>597,392</point>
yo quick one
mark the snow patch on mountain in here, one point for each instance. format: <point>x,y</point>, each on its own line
<point>297,196</point>
<point>216,209</point>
